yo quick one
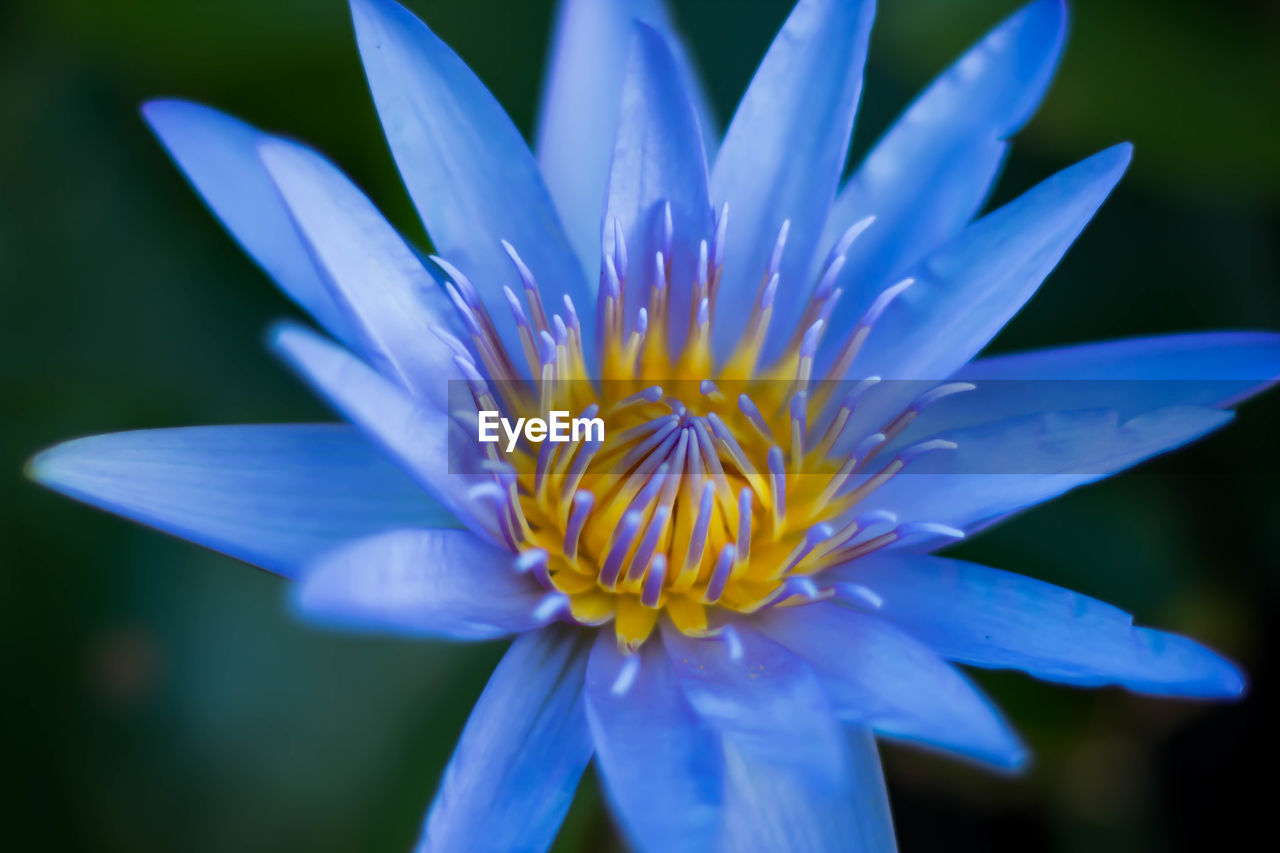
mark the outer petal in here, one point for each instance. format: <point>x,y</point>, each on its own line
<point>880,677</point>
<point>661,765</point>
<point>413,432</point>
<point>421,583</point>
<point>1010,465</point>
<point>219,155</point>
<point>783,154</point>
<point>274,496</point>
<point>766,700</point>
<point>989,618</point>
<point>1220,369</point>
<point>469,172</point>
<point>580,108</point>
<point>927,177</point>
<point>658,160</point>
<point>402,316</point>
<point>512,777</point>
<point>779,810</point>
<point>968,289</point>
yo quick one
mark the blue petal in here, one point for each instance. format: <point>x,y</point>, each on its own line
<point>880,677</point>
<point>414,432</point>
<point>515,769</point>
<point>928,176</point>
<point>467,168</point>
<point>276,496</point>
<point>219,155</point>
<point>989,618</point>
<point>765,699</point>
<point>1133,376</point>
<point>1220,369</point>
<point>580,108</point>
<point>964,292</point>
<point>421,583</point>
<point>661,765</point>
<point>782,158</point>
<point>780,810</point>
<point>658,160</point>
<point>1009,465</point>
<point>402,316</point>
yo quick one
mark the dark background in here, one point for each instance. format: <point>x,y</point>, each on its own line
<point>158,697</point>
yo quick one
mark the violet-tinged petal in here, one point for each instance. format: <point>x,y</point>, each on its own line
<point>769,809</point>
<point>219,155</point>
<point>991,618</point>
<point>966,290</point>
<point>414,432</point>
<point>797,117</point>
<point>658,167</point>
<point>760,696</point>
<point>1219,369</point>
<point>1010,465</point>
<point>469,172</point>
<point>514,771</point>
<point>421,583</point>
<point>661,765</point>
<point>926,178</point>
<point>275,496</point>
<point>403,317</point>
<point>879,676</point>
<point>581,104</point>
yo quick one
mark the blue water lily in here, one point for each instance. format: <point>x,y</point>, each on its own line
<point>726,598</point>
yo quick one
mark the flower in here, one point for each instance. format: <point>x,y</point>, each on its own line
<point>729,594</point>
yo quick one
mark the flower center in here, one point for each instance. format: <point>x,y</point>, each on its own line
<point>731,491</point>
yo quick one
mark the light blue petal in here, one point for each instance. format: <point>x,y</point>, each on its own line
<point>471,176</point>
<point>1249,358</point>
<point>515,769</point>
<point>965,291</point>
<point>989,618</point>
<point>414,432</point>
<point>760,696</point>
<point>276,496</point>
<point>580,108</point>
<point>780,810</point>
<point>661,766</point>
<point>657,161</point>
<point>402,316</point>
<point>1009,465</point>
<point>931,172</point>
<point>1218,369</point>
<point>421,583</point>
<point>880,677</point>
<point>782,157</point>
<point>1133,376</point>
<point>219,155</point>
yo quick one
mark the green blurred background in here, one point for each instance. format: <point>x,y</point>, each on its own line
<point>158,697</point>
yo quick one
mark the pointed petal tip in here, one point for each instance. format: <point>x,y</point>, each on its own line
<point>158,110</point>
<point>1114,160</point>
<point>281,335</point>
<point>1231,682</point>
<point>1048,11</point>
<point>55,467</point>
<point>1191,670</point>
<point>1016,761</point>
<point>373,7</point>
<point>172,120</point>
<point>42,468</point>
<point>155,109</point>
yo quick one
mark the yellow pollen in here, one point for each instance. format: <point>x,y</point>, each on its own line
<point>713,491</point>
